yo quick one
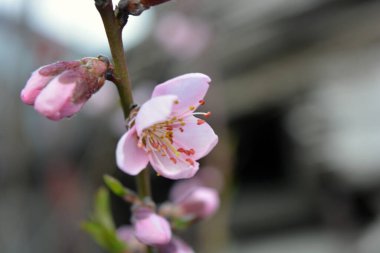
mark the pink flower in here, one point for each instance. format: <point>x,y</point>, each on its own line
<point>176,245</point>
<point>195,200</point>
<point>60,89</point>
<point>165,131</point>
<point>127,235</point>
<point>150,228</point>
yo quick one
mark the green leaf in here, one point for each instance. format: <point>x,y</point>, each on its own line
<point>107,239</point>
<point>118,189</point>
<point>115,186</point>
<point>101,226</point>
<point>102,212</point>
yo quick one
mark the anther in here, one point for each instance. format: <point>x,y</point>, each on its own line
<point>202,102</point>
<point>191,162</point>
<point>200,121</point>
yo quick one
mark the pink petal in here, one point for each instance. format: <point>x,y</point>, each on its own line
<point>183,188</point>
<point>190,90</point>
<point>34,86</point>
<point>150,228</point>
<point>176,245</point>
<point>55,100</point>
<point>153,111</point>
<point>174,170</point>
<point>201,202</point>
<point>127,235</point>
<point>129,157</point>
<point>201,137</point>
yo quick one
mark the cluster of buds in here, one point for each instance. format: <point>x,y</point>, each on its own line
<point>190,201</point>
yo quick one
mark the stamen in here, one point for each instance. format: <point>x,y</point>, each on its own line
<point>200,121</point>
<point>202,102</point>
<point>204,114</point>
<point>190,161</point>
<point>173,160</point>
<point>192,108</point>
<point>155,144</point>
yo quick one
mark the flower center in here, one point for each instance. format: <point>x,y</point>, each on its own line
<point>160,138</point>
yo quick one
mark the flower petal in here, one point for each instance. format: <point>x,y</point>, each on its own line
<point>153,111</point>
<point>54,101</point>
<point>201,202</point>
<point>179,169</point>
<point>182,189</point>
<point>190,90</point>
<point>151,228</point>
<point>129,157</point>
<point>200,137</point>
<point>127,235</point>
<point>34,86</point>
<point>175,245</point>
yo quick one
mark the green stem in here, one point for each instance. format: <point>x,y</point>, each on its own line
<point>114,35</point>
<point>113,30</point>
<point>143,184</point>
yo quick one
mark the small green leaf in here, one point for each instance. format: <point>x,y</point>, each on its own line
<point>101,226</point>
<point>114,185</point>
<point>107,239</point>
<point>102,212</point>
<point>118,189</point>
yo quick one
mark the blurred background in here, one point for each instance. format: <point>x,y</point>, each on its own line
<point>295,102</point>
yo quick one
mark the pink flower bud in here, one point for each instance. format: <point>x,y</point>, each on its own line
<point>60,89</point>
<point>176,245</point>
<point>127,235</point>
<point>150,228</point>
<point>197,201</point>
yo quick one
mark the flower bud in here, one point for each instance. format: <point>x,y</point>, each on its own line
<point>176,245</point>
<point>127,235</point>
<point>60,89</point>
<point>197,201</point>
<point>150,228</point>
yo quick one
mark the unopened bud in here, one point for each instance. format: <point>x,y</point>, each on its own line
<point>127,235</point>
<point>150,228</point>
<point>193,199</point>
<point>60,89</point>
<point>176,245</point>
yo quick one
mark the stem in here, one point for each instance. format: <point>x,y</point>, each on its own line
<point>113,30</point>
<point>143,184</point>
